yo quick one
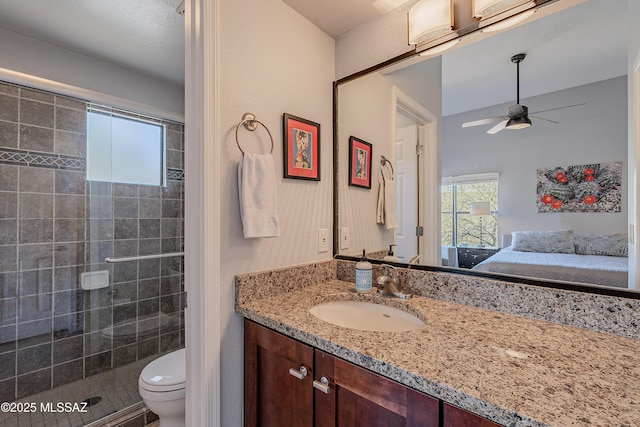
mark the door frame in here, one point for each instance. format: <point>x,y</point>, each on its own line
<point>429,174</point>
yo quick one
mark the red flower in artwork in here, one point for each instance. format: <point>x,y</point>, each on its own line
<point>563,179</point>
<point>588,171</point>
<point>560,176</point>
<point>589,178</point>
<point>556,204</point>
<point>589,200</point>
<point>547,199</point>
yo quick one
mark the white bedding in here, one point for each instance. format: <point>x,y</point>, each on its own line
<point>594,269</point>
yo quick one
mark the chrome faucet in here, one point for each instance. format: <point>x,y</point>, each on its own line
<point>389,286</point>
<point>415,259</point>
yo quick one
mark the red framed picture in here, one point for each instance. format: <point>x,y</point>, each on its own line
<point>301,148</point>
<point>360,153</point>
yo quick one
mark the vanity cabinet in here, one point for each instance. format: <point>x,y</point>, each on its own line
<point>456,417</point>
<point>357,397</point>
<point>278,384</point>
<point>290,384</point>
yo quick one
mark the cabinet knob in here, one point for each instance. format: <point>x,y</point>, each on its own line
<point>322,385</point>
<point>299,374</point>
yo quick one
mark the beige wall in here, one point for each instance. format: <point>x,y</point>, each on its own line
<point>273,61</point>
<point>366,110</point>
<point>373,42</point>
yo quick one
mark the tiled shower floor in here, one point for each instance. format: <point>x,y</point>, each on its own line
<point>118,389</point>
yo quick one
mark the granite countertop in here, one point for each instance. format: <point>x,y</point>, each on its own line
<point>512,370</point>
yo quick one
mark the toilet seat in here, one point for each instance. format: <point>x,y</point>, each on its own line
<point>165,374</point>
<point>164,396</point>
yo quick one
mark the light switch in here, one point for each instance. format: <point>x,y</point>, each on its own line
<point>323,240</point>
<point>344,238</point>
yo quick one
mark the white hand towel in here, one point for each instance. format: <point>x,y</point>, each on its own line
<point>257,191</point>
<point>386,210</point>
<point>380,205</point>
<point>390,204</point>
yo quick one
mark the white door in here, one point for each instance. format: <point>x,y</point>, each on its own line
<point>407,192</point>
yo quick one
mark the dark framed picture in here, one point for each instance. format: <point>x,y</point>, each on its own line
<point>360,153</point>
<point>301,148</point>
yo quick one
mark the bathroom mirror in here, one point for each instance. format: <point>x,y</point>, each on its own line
<point>477,80</point>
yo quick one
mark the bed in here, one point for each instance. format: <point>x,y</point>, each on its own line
<point>559,255</point>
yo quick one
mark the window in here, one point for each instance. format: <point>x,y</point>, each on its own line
<point>459,227</point>
<point>122,148</point>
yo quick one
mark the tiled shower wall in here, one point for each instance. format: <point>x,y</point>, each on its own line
<point>55,225</point>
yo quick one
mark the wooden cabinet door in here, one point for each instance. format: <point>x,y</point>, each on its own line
<point>357,397</point>
<point>273,396</point>
<point>456,417</point>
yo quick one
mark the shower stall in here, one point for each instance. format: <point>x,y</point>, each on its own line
<point>80,185</point>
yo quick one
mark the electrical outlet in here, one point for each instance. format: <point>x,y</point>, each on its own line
<point>344,238</point>
<point>323,240</point>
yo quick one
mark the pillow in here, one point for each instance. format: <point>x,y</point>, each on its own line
<point>603,244</point>
<point>560,241</point>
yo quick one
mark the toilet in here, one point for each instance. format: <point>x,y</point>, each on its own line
<point>162,387</point>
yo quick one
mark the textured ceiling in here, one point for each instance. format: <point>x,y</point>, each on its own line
<point>145,35</point>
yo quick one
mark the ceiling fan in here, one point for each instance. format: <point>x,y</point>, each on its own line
<point>518,117</point>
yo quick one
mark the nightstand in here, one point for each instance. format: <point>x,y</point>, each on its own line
<point>470,257</point>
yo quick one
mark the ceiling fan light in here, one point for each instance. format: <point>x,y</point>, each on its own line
<point>487,8</point>
<point>430,19</point>
<point>516,123</point>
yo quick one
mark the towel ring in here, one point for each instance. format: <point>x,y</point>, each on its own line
<point>384,161</point>
<point>251,123</point>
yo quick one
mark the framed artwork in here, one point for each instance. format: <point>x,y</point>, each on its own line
<point>360,153</point>
<point>592,187</point>
<point>301,148</point>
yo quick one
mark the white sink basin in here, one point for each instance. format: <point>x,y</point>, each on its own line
<point>366,316</point>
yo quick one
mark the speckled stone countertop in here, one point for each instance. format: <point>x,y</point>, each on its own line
<point>513,370</point>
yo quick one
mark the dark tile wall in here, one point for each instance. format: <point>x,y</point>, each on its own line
<point>56,225</point>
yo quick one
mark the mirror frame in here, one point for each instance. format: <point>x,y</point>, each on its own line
<point>567,286</point>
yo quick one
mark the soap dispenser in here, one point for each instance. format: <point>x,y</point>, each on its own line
<point>364,275</point>
<point>390,255</point>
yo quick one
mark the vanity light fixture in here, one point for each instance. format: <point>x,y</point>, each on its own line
<point>509,22</point>
<point>486,8</point>
<point>439,48</point>
<point>430,19</point>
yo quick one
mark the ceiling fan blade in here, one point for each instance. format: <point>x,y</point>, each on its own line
<point>497,128</point>
<point>546,120</point>
<point>559,108</point>
<point>483,121</point>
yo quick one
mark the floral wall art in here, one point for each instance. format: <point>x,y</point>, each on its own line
<point>581,188</point>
